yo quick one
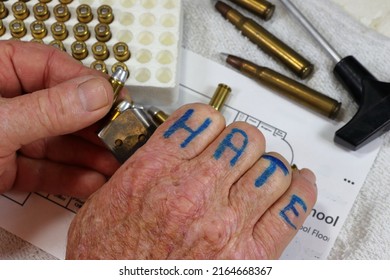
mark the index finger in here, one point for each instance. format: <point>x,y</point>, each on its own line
<point>27,67</point>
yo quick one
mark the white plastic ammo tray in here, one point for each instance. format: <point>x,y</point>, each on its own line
<point>150,28</point>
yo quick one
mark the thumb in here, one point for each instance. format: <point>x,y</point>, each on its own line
<point>62,109</point>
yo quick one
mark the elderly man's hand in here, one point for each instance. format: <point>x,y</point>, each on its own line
<point>46,96</point>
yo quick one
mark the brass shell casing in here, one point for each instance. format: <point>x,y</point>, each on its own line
<point>298,92</point>
<point>66,1</point>
<point>61,13</point>
<point>59,31</point>
<point>2,28</point>
<point>81,32</point>
<point>105,14</point>
<point>58,44</point>
<point>39,41</point>
<point>99,65</point>
<point>119,64</point>
<point>267,42</point>
<point>20,10</point>
<point>84,13</point>
<point>121,51</point>
<point>41,11</point>
<point>102,32</point>
<point>44,1</point>
<point>3,11</point>
<point>79,50</point>
<point>100,51</point>
<point>219,97</point>
<point>261,8</point>
<point>17,28</point>
<point>38,29</point>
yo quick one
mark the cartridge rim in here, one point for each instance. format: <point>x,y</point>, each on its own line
<point>2,28</point>
<point>99,65</point>
<point>58,44</point>
<point>35,40</point>
<point>100,51</point>
<point>105,14</point>
<point>17,28</point>
<point>38,29</point>
<point>59,31</point>
<point>3,11</point>
<point>102,32</point>
<point>41,11</point>
<point>79,50</point>
<point>66,1</point>
<point>121,65</point>
<point>81,31</point>
<point>20,10</point>
<point>121,51</point>
<point>61,12</point>
<point>84,13</point>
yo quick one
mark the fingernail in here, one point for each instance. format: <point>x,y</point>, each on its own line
<point>309,175</point>
<point>93,95</point>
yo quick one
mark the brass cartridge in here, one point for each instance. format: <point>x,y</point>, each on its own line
<point>219,97</point>
<point>266,41</point>
<point>66,1</point>
<point>44,1</point>
<point>100,51</point>
<point>117,65</point>
<point>84,13</point>
<point>105,14</point>
<point>79,50</point>
<point>2,28</point>
<point>17,28</point>
<point>81,32</point>
<point>3,11</point>
<point>102,32</point>
<point>20,10</point>
<point>59,31</point>
<point>58,44</point>
<point>41,11</point>
<point>38,29</point>
<point>61,13</point>
<point>39,41</point>
<point>261,8</point>
<point>99,65</point>
<point>288,87</point>
<point>121,52</point>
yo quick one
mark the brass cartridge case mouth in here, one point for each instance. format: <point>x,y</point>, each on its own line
<point>38,29</point>
<point>102,32</point>
<point>81,32</point>
<point>39,41</point>
<point>44,1</point>
<point>41,11</point>
<point>65,1</point>
<point>100,51</point>
<point>59,31</point>
<point>61,13</point>
<point>79,50</point>
<point>105,14</point>
<point>20,10</point>
<point>58,44</point>
<point>84,13</point>
<point>121,52</point>
<point>17,28</point>
<point>99,66</point>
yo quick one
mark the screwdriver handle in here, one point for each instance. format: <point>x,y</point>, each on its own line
<point>351,73</point>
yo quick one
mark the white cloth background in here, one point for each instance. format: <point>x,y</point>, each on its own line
<point>366,233</point>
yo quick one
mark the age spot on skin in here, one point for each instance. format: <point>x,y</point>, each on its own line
<point>181,124</point>
<point>227,143</point>
<point>291,207</point>
<point>270,170</point>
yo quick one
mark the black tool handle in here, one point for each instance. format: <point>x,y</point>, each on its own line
<point>372,118</point>
<point>351,73</point>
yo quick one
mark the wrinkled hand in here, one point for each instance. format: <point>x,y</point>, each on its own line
<point>45,96</point>
<point>196,190</point>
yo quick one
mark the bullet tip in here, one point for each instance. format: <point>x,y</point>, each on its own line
<point>121,75</point>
